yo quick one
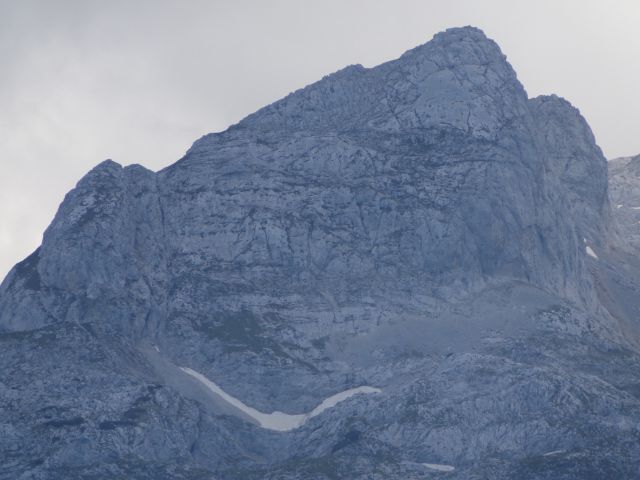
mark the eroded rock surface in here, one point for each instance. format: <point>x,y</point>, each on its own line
<point>420,227</point>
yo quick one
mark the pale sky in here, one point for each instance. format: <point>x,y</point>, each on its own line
<point>138,81</point>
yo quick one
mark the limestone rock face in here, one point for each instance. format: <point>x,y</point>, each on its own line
<point>574,159</point>
<point>625,196</point>
<point>422,227</point>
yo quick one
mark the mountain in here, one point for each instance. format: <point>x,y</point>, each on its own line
<point>407,271</point>
<point>624,174</point>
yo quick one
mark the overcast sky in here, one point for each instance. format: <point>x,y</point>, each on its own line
<point>138,81</point>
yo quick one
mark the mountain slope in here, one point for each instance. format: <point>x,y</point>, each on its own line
<point>419,230</point>
<point>625,195</point>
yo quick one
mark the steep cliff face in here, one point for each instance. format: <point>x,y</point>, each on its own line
<point>573,158</point>
<point>625,196</point>
<point>414,226</point>
<point>429,171</point>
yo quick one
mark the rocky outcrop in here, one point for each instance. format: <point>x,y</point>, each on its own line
<point>418,227</point>
<point>433,169</point>
<point>625,196</point>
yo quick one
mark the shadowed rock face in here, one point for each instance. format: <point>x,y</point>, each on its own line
<point>625,196</point>
<point>419,227</point>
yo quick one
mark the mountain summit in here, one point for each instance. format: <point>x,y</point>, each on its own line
<point>392,272</point>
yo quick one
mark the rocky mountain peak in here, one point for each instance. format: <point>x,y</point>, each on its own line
<point>458,46</point>
<point>430,171</point>
<point>459,79</point>
<point>572,157</point>
<point>634,165</point>
<point>403,268</point>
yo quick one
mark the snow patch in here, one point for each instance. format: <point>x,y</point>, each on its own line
<point>333,400</point>
<point>591,253</point>
<point>279,421</point>
<point>619,206</point>
<point>438,467</point>
<point>555,452</point>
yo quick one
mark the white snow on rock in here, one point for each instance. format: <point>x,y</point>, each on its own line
<point>279,421</point>
<point>555,452</point>
<point>591,253</point>
<point>333,400</point>
<point>438,467</point>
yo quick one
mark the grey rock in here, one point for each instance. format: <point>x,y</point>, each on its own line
<point>421,227</point>
<point>625,195</point>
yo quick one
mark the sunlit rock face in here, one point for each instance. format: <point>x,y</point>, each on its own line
<point>419,229</point>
